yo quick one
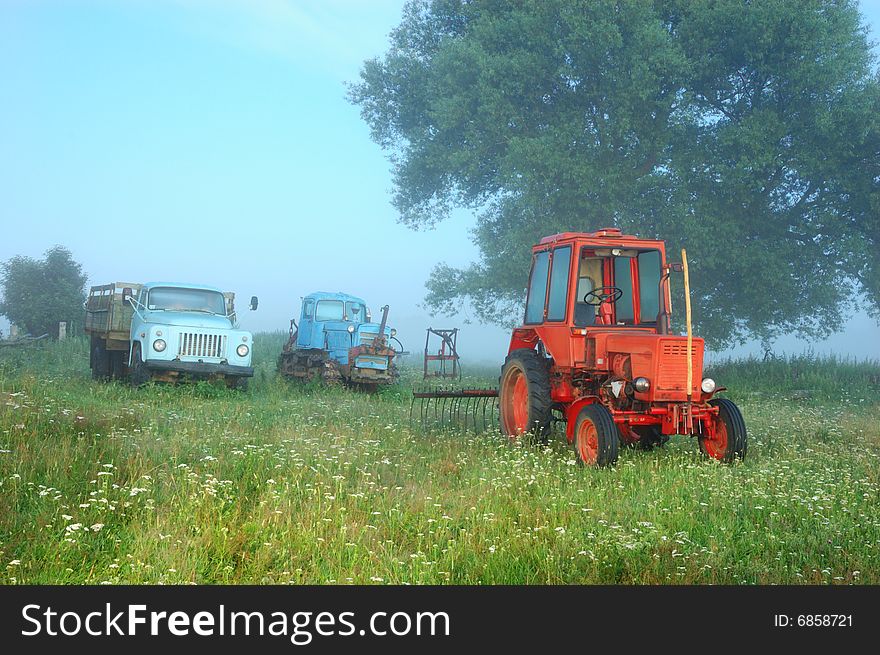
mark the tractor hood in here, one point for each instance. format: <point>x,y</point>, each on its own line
<point>661,358</point>
<point>373,328</point>
<point>187,319</point>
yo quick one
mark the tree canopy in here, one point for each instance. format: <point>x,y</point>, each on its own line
<point>39,294</point>
<point>747,132</point>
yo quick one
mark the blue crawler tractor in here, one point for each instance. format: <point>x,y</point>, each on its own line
<point>336,341</point>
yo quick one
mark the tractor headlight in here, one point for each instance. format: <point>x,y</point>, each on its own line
<point>159,345</point>
<point>641,384</point>
<point>242,350</point>
<point>393,332</point>
<point>707,385</point>
<point>351,329</point>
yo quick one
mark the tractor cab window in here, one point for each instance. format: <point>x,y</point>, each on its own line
<point>329,310</point>
<point>623,280</point>
<point>538,288</point>
<point>355,311</point>
<point>589,278</point>
<point>556,303</point>
<point>308,306</point>
<point>649,286</point>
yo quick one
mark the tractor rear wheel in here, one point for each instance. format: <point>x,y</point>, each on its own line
<point>726,440</point>
<point>596,439</point>
<point>524,394</point>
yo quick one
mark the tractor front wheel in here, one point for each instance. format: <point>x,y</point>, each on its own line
<point>725,439</point>
<point>596,438</point>
<point>524,395</point>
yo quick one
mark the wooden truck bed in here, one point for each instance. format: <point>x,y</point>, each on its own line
<point>107,316</point>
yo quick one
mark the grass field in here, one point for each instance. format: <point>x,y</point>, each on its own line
<point>100,483</point>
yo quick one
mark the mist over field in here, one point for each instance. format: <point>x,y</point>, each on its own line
<point>221,137</point>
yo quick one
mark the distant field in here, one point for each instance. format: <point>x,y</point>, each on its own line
<point>100,483</point>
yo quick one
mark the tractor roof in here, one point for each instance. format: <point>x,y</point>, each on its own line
<point>605,236</point>
<point>328,295</point>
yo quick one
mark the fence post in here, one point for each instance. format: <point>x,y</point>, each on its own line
<point>62,330</point>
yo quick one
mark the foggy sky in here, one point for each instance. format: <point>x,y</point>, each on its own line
<point>212,142</point>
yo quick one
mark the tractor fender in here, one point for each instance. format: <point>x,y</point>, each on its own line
<point>523,337</point>
<point>572,410</point>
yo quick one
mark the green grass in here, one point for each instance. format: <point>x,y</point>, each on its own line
<point>303,484</point>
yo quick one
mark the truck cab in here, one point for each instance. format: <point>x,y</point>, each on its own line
<point>187,328</point>
<point>336,338</point>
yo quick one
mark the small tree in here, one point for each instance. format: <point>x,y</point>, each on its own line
<point>39,294</point>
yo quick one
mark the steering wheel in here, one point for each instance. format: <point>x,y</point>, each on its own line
<point>603,294</point>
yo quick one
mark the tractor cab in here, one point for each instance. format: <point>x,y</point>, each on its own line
<point>596,279</point>
<point>330,321</point>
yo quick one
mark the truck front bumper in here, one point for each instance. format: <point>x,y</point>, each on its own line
<point>199,368</point>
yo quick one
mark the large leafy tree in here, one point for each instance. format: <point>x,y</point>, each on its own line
<point>744,131</point>
<point>39,294</point>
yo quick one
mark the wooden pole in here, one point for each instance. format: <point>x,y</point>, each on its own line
<point>687,311</point>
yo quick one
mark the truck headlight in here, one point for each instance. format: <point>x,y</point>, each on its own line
<point>351,329</point>
<point>159,345</point>
<point>242,350</point>
<point>707,385</point>
<point>641,384</point>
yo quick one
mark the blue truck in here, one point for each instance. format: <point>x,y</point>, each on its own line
<point>336,341</point>
<point>164,331</point>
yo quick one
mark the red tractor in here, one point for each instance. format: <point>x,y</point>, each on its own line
<point>595,350</point>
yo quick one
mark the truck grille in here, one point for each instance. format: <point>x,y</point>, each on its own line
<point>673,368</point>
<point>194,344</point>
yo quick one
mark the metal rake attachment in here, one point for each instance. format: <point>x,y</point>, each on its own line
<point>443,407</point>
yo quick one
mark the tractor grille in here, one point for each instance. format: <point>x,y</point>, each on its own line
<point>195,344</point>
<point>673,367</point>
<point>368,338</point>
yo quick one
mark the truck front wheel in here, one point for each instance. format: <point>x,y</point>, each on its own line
<point>139,374</point>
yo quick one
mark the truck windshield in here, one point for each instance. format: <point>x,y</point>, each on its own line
<point>186,300</point>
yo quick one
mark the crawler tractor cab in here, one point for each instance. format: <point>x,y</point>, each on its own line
<point>336,340</point>
<point>596,348</point>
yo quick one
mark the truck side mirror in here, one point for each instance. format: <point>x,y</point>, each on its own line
<point>127,293</point>
<point>254,302</point>
<point>676,267</point>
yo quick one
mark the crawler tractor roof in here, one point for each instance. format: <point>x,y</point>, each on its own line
<point>330,295</point>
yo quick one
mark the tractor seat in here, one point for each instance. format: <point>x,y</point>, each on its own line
<point>584,314</point>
